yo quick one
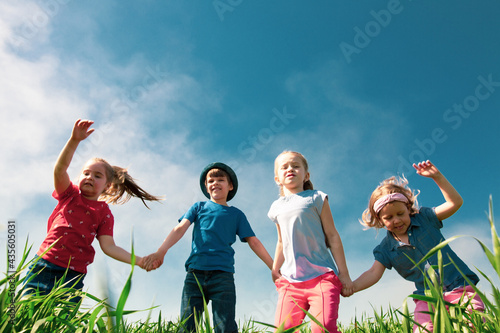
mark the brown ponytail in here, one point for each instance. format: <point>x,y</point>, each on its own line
<point>123,186</point>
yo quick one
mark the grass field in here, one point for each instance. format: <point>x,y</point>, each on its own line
<point>55,313</point>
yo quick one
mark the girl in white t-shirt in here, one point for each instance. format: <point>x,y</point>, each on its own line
<point>305,274</point>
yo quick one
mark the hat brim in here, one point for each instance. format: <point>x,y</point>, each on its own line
<point>226,168</point>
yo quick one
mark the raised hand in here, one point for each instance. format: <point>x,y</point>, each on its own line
<point>426,169</point>
<point>81,129</point>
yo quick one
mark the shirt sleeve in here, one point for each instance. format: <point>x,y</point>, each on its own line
<point>106,224</point>
<point>244,229</point>
<point>429,215</point>
<point>71,190</point>
<point>319,200</point>
<point>380,254</point>
<point>272,213</point>
<point>192,213</point>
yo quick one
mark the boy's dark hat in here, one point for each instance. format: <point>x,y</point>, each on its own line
<point>222,166</point>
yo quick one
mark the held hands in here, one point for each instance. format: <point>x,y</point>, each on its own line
<point>347,285</point>
<point>81,129</point>
<point>151,262</point>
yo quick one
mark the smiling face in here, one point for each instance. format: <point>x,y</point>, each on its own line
<point>396,218</point>
<point>93,181</point>
<point>218,186</point>
<point>290,173</point>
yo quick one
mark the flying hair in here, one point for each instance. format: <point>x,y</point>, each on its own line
<point>123,186</point>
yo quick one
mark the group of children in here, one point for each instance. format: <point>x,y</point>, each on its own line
<point>309,267</point>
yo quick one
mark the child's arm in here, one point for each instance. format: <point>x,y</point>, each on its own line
<point>335,244</point>
<point>279,259</point>
<point>369,278</point>
<point>155,260</point>
<point>80,132</point>
<point>109,247</point>
<point>259,249</point>
<point>453,199</point>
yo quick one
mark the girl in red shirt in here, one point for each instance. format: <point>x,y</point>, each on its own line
<point>82,214</point>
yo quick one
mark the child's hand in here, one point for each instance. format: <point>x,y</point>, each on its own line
<point>81,129</point>
<point>426,169</point>
<point>276,275</point>
<point>139,261</point>
<point>347,285</point>
<point>152,261</point>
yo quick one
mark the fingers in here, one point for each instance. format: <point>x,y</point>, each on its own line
<point>426,168</point>
<point>422,165</point>
<point>346,292</point>
<point>81,129</point>
<point>151,262</point>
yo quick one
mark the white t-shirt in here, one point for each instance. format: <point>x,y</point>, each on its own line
<point>304,245</point>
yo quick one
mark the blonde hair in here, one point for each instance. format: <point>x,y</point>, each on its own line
<point>307,184</point>
<point>393,184</point>
<point>123,186</point>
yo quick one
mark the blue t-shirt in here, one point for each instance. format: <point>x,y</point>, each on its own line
<point>423,234</point>
<point>214,231</point>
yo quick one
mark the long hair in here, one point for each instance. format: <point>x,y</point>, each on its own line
<point>307,184</point>
<point>393,184</point>
<point>123,186</point>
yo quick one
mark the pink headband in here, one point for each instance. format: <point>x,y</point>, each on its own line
<point>382,201</point>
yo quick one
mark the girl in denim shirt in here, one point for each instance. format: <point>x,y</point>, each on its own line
<point>411,233</point>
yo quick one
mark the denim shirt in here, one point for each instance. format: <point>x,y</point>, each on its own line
<point>423,234</point>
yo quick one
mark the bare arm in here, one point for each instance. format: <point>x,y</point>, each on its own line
<point>370,277</point>
<point>259,249</point>
<point>155,260</point>
<point>335,244</point>
<point>80,132</point>
<point>279,259</point>
<point>109,247</point>
<point>453,200</point>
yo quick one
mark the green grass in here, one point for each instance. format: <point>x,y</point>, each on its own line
<point>56,313</point>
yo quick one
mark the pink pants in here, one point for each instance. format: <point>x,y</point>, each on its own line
<point>453,297</point>
<point>319,296</point>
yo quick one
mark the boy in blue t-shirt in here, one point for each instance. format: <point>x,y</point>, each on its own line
<point>211,262</point>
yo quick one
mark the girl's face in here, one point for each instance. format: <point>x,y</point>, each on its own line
<point>396,217</point>
<point>290,173</point>
<point>93,181</point>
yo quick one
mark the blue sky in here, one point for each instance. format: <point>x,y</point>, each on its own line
<point>361,89</point>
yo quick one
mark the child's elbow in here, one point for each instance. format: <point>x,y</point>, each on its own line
<point>251,240</point>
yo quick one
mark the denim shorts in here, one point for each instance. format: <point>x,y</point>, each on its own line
<point>45,275</point>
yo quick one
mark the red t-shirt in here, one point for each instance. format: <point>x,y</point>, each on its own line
<point>77,221</point>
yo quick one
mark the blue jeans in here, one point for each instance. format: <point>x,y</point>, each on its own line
<point>46,275</point>
<point>217,287</point>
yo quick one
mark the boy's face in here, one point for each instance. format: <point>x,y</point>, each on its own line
<point>218,188</point>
